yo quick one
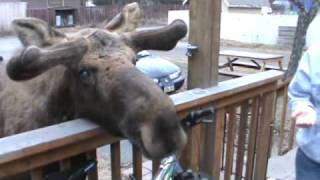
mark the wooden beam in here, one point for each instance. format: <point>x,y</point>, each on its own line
<point>52,137</point>
<point>264,135</point>
<point>231,136</point>
<point>204,33</point>
<point>137,163</point>
<point>252,137</point>
<point>155,167</point>
<point>65,164</point>
<point>211,160</point>
<point>188,99</point>
<point>242,139</point>
<point>115,161</point>
<point>37,174</point>
<point>92,155</point>
<point>39,159</point>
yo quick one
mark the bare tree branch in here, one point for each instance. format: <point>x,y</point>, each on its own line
<point>304,20</point>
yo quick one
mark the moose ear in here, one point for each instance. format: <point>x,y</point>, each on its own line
<point>126,21</point>
<point>32,31</point>
<point>164,38</point>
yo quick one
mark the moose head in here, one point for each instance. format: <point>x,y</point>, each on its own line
<point>105,85</point>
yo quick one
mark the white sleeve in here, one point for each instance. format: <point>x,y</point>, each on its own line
<point>300,86</point>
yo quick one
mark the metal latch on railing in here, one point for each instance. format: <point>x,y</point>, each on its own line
<point>200,116</point>
<point>191,49</point>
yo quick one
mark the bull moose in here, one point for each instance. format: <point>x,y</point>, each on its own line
<point>90,74</point>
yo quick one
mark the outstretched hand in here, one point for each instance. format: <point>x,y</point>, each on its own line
<point>305,116</point>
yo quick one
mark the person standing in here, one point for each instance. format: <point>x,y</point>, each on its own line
<point>304,94</point>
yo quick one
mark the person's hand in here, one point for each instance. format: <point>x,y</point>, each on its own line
<point>305,116</point>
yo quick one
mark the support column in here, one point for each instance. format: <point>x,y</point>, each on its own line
<point>204,32</point>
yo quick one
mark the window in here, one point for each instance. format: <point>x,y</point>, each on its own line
<point>65,17</point>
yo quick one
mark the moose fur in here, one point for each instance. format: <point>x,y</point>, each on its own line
<point>90,75</point>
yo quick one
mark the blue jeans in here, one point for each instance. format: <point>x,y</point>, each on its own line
<point>306,169</point>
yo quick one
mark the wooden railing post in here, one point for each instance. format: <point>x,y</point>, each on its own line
<point>232,126</point>
<point>137,163</point>
<point>212,146</point>
<point>241,139</point>
<point>65,164</point>
<point>92,155</point>
<point>262,155</point>
<point>155,167</point>
<point>115,161</point>
<point>252,138</point>
<point>283,119</point>
<point>190,157</point>
<point>37,174</point>
<point>202,65</point>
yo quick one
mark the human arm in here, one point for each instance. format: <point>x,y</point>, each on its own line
<point>300,95</point>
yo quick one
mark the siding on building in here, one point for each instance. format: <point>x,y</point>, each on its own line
<point>72,3</point>
<point>40,4</point>
<point>2,1</point>
<point>10,11</point>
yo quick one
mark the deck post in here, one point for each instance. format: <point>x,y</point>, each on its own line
<point>204,33</point>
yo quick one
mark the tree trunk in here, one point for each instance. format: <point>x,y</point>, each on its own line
<point>298,45</point>
<point>304,20</point>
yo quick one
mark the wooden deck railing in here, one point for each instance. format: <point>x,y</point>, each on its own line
<point>242,133</point>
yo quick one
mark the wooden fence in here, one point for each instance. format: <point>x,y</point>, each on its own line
<point>241,135</point>
<point>44,14</point>
<point>10,11</point>
<point>98,14</point>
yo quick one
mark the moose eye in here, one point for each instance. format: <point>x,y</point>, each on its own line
<point>84,73</point>
<point>86,76</point>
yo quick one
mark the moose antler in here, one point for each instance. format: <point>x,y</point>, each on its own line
<point>158,39</point>
<point>126,21</point>
<point>33,61</point>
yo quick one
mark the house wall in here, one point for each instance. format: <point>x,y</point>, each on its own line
<point>3,1</point>
<point>10,11</point>
<point>72,3</point>
<point>248,28</point>
<point>36,4</point>
<point>225,8</point>
<point>245,10</point>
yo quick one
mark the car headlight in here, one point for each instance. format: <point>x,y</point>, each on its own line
<point>156,80</point>
<point>175,75</point>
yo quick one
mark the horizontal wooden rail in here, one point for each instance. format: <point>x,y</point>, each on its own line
<point>37,148</point>
<point>198,97</point>
<point>40,147</point>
